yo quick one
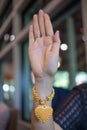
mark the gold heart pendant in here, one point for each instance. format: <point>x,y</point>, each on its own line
<point>43,112</point>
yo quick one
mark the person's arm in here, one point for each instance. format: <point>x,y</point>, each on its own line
<point>43,55</point>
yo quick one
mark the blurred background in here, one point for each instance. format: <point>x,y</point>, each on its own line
<point>16,79</point>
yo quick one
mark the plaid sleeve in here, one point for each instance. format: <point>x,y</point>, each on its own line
<point>68,115</point>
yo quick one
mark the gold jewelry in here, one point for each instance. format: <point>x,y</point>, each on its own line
<point>37,36</point>
<point>42,111</point>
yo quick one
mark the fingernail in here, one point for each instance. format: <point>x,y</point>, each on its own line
<point>41,11</point>
<point>58,32</point>
<point>31,27</point>
<point>35,16</point>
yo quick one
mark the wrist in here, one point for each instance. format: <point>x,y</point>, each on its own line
<point>44,86</point>
<point>45,81</point>
<point>37,99</point>
<point>35,103</point>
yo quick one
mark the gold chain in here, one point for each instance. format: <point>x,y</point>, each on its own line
<point>38,99</point>
<point>42,111</point>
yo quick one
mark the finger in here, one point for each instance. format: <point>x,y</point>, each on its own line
<point>41,23</point>
<point>31,35</point>
<point>48,25</point>
<point>56,41</point>
<point>56,37</point>
<point>36,26</point>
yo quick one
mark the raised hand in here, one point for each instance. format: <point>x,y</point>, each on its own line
<point>43,46</point>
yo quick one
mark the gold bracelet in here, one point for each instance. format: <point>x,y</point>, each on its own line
<point>42,111</point>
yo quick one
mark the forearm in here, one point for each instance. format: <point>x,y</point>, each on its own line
<point>49,125</point>
<point>43,88</point>
<point>38,125</point>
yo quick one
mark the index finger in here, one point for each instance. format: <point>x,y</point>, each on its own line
<point>31,35</point>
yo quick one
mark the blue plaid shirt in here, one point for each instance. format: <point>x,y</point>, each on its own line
<point>71,113</point>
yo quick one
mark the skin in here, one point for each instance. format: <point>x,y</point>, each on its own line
<point>43,55</point>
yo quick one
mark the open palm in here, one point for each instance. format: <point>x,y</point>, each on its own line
<point>43,46</point>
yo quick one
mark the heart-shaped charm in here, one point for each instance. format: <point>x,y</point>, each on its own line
<point>43,112</point>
